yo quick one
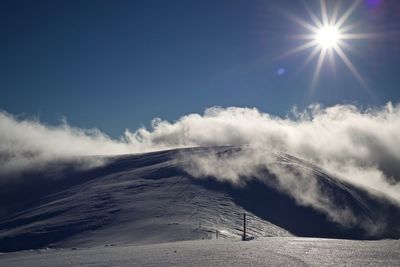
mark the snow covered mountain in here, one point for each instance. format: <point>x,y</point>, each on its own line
<point>149,198</point>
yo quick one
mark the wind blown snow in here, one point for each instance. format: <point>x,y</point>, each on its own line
<point>356,145</point>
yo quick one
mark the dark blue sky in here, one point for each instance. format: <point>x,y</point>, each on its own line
<point>118,64</point>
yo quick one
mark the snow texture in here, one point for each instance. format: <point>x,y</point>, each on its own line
<point>273,251</point>
<point>150,199</point>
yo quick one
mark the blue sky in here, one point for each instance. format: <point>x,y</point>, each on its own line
<point>118,64</point>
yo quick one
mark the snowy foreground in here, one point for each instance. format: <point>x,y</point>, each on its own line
<point>273,251</point>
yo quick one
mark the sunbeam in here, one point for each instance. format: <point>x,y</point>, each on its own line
<point>319,66</point>
<point>327,37</point>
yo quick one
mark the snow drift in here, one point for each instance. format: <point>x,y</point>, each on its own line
<point>161,197</point>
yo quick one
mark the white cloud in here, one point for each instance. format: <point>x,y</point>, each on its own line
<point>360,147</point>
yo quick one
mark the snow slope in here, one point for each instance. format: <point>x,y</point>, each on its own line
<point>149,199</point>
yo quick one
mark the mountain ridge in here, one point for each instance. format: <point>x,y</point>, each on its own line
<point>149,198</point>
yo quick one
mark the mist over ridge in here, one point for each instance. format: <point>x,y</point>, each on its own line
<point>356,145</point>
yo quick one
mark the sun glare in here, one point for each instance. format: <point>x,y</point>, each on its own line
<point>328,36</point>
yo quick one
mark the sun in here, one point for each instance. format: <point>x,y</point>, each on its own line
<point>328,36</point>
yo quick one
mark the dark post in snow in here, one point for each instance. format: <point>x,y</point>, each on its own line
<point>244,227</point>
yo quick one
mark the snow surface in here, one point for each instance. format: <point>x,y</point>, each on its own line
<point>137,200</point>
<point>274,251</point>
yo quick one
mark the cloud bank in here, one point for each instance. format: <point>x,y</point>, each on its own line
<point>358,146</point>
